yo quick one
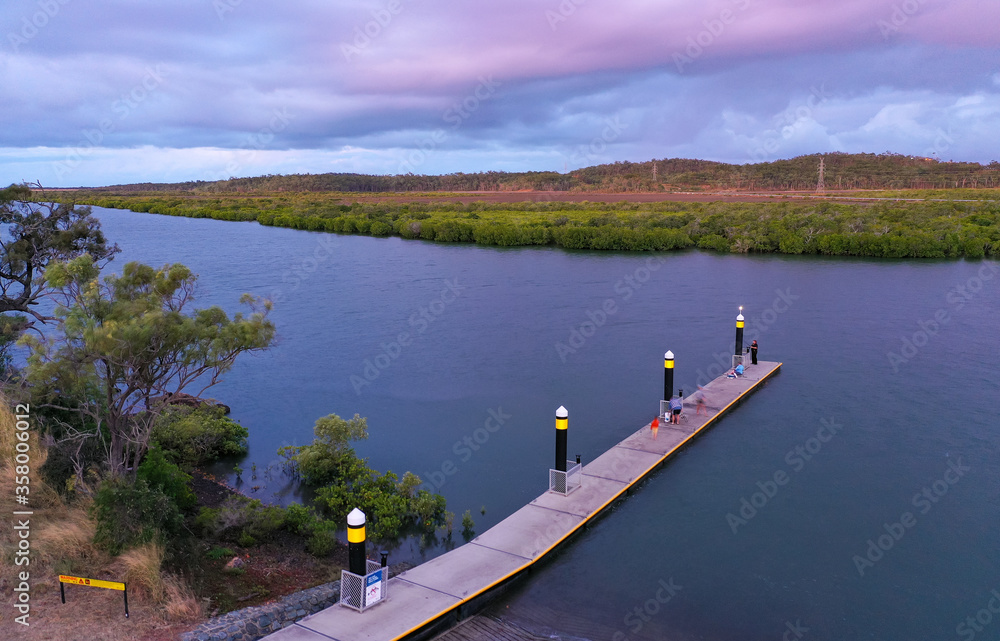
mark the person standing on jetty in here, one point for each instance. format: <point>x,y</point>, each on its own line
<point>753,353</point>
<point>676,405</point>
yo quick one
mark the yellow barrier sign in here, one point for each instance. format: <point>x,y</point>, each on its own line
<point>94,583</point>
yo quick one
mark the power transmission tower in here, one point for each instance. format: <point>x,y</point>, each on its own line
<point>820,185</point>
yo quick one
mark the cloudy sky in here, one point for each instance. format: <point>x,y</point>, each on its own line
<point>115,91</point>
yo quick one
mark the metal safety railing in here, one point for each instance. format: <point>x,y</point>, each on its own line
<point>362,592</point>
<point>568,481</point>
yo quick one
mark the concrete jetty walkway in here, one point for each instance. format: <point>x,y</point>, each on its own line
<point>432,597</point>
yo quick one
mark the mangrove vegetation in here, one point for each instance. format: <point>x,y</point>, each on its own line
<point>926,225</point>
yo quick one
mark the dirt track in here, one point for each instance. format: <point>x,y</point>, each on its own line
<point>583,196</point>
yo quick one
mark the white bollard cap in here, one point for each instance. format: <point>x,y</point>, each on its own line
<point>669,355</point>
<point>561,412</point>
<point>740,317</point>
<point>356,518</point>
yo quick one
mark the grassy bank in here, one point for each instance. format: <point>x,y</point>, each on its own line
<point>172,583</point>
<point>61,533</point>
<point>949,226</point>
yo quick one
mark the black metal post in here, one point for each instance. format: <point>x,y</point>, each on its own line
<point>356,555</point>
<point>668,375</point>
<point>739,333</point>
<point>562,426</point>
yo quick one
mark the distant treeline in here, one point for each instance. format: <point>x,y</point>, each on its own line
<point>926,229</point>
<point>842,171</point>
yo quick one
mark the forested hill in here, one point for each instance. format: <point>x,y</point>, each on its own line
<point>842,171</point>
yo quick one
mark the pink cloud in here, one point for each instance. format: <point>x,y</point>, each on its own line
<point>436,46</point>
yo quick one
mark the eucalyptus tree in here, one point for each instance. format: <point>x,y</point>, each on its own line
<point>35,234</point>
<point>127,344</point>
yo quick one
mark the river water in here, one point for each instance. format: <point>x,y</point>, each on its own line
<point>882,423</point>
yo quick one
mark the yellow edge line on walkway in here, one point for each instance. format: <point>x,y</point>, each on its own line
<point>592,514</point>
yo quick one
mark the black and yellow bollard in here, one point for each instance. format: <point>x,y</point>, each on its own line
<point>739,333</point>
<point>562,425</point>
<point>668,375</point>
<point>356,555</point>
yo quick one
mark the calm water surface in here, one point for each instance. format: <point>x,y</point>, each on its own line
<point>483,333</point>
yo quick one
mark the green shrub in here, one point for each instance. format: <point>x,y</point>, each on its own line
<point>330,455</point>
<point>468,525</point>
<point>241,519</point>
<point>322,542</point>
<point>130,514</point>
<point>267,520</point>
<point>165,476</point>
<point>300,519</point>
<point>451,231</point>
<point>194,436</point>
<point>207,520</point>
<point>218,553</point>
<point>714,242</point>
<point>380,228</point>
<point>392,506</point>
<point>428,508</point>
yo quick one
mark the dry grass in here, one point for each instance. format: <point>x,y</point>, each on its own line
<point>65,542</point>
<point>180,602</point>
<point>61,543</point>
<point>142,570</point>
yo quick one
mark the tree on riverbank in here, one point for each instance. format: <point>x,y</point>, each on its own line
<point>125,346</point>
<point>32,235</point>
<point>36,234</point>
